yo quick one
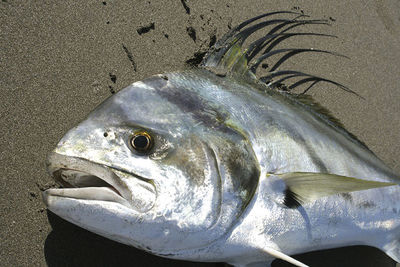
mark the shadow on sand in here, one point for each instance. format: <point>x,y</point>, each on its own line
<point>69,245</point>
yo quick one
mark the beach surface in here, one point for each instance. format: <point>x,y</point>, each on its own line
<point>60,59</point>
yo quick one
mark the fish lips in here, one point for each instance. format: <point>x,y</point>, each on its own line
<point>86,180</point>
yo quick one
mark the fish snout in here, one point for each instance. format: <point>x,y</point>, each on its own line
<point>83,179</point>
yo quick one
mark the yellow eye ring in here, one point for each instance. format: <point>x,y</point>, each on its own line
<point>142,141</point>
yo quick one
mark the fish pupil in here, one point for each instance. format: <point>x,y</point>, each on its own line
<point>141,142</point>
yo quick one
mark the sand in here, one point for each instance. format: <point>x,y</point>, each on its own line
<point>59,59</point>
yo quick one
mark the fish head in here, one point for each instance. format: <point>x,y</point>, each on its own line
<point>156,167</point>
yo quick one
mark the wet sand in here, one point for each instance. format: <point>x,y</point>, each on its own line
<point>60,60</point>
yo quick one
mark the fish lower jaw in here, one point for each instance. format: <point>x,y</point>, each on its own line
<point>85,193</point>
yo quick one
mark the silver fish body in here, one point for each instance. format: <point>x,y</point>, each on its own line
<point>211,184</point>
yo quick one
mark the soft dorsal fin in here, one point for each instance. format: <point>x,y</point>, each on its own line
<point>304,187</point>
<point>323,112</point>
<point>318,108</point>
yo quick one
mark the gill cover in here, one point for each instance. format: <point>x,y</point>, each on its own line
<point>238,176</point>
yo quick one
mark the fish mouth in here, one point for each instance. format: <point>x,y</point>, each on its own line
<point>85,180</point>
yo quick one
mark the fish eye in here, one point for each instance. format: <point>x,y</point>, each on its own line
<point>142,142</point>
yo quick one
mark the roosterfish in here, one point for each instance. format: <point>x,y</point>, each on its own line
<point>216,164</point>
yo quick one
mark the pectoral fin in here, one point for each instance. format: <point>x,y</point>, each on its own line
<point>303,187</point>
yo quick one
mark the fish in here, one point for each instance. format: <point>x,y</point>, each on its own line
<point>217,164</point>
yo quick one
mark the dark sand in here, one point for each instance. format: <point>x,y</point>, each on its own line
<point>56,61</point>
